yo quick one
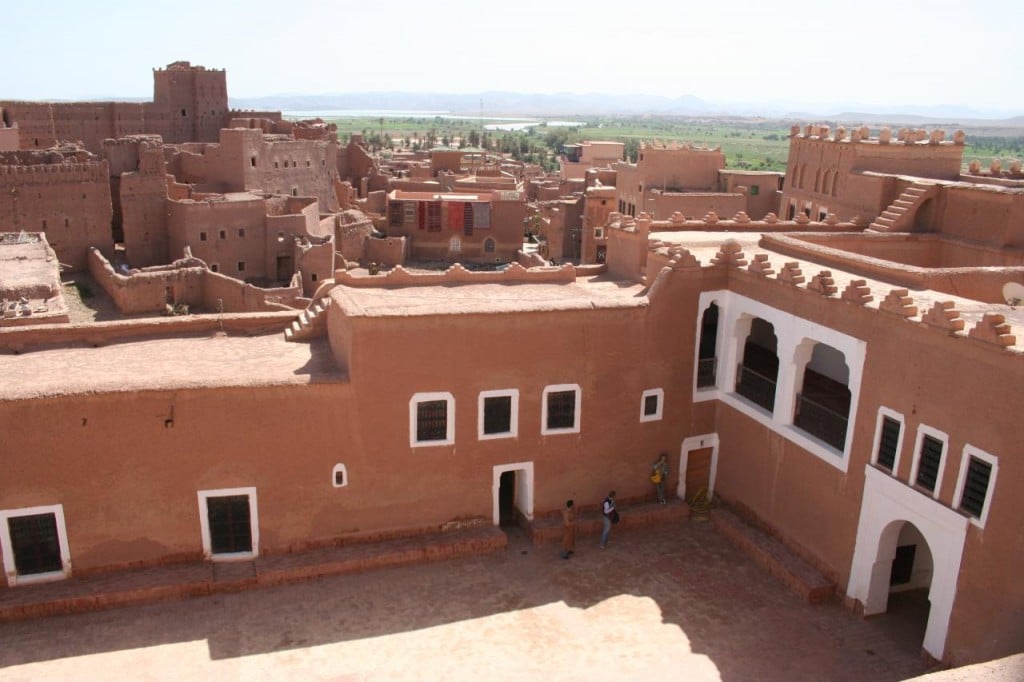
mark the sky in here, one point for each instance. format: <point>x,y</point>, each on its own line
<point>822,56</point>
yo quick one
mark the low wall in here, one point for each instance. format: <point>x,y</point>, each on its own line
<point>19,339</point>
<point>457,274</point>
<point>223,293</point>
<point>387,251</point>
<point>978,283</point>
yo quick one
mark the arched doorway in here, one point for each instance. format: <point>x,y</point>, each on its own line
<point>907,605</point>
<point>894,515</point>
<point>758,373</point>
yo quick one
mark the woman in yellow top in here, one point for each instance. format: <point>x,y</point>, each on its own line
<point>659,474</point>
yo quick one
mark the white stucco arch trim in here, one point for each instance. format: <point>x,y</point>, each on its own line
<point>735,313</point>
<point>885,505</point>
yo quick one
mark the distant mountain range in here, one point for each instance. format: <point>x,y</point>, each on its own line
<point>591,104</point>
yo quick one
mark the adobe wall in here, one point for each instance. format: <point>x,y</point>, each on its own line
<point>148,292</point>
<point>69,201</point>
<point>221,232</point>
<point>993,217</point>
<point>661,205</point>
<point>386,251</point>
<point>196,99</point>
<point>9,139</point>
<point>761,190</point>
<point>221,292</point>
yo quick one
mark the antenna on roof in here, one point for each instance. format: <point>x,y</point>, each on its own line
<point>1013,294</point>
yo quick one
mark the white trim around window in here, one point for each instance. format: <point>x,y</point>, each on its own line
<point>339,472</point>
<point>513,431</point>
<point>414,402</point>
<point>896,417</point>
<point>559,388</point>
<point>10,569</point>
<point>922,431</point>
<point>993,461</point>
<point>658,393</point>
<point>204,524</point>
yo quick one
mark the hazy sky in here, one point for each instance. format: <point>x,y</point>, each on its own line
<point>801,54</point>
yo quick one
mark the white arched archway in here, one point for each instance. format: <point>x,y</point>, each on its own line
<point>886,505</point>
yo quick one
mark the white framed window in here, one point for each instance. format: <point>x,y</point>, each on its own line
<point>431,419</point>
<point>560,409</point>
<point>975,484</point>
<point>34,541</point>
<point>929,460</point>
<point>498,414</point>
<point>598,233</point>
<point>229,524</point>
<point>339,476</point>
<point>455,245</point>
<point>889,430</point>
<point>651,402</point>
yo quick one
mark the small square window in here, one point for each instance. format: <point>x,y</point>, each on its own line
<point>754,190</point>
<point>560,409</point>
<point>498,414</point>
<point>339,476</point>
<point>241,266</point>
<point>223,234</point>
<point>431,419</point>
<point>651,404</point>
<point>930,461</point>
<point>34,544</point>
<point>214,267</point>
<point>202,236</point>
<point>241,232</point>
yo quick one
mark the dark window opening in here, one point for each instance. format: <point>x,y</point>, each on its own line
<point>202,236</point>
<point>976,487</point>
<point>252,161</point>
<point>928,463</point>
<point>754,190</point>
<point>230,524</point>
<point>498,414</point>
<point>823,408</point>
<point>223,234</point>
<point>903,565</point>
<point>432,420</point>
<point>706,361</point>
<point>241,266</point>
<point>183,112</point>
<point>650,405</point>
<point>758,374</point>
<point>887,443</point>
<point>214,267</point>
<point>561,410</point>
<point>488,246</point>
<point>35,543</point>
<point>241,232</point>
<point>339,477</point>
<point>312,277</point>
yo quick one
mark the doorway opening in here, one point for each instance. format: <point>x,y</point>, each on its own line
<point>512,494</point>
<point>285,269</point>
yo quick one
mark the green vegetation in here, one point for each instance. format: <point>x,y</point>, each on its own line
<point>748,144</point>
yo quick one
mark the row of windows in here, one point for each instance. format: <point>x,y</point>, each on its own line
<point>978,468</point>
<point>252,162</point>
<point>239,266</point>
<point>824,182</point>
<point>222,234</point>
<point>432,415</point>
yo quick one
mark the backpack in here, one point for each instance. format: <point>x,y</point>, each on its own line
<point>656,475</point>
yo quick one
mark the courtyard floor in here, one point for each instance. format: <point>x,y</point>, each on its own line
<point>669,602</point>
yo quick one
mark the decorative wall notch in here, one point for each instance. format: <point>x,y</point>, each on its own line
<point>992,328</point>
<point>823,283</point>
<point>791,274</point>
<point>730,254</point>
<point>899,303</point>
<point>944,315</point>
<point>858,292</point>
<point>760,265</point>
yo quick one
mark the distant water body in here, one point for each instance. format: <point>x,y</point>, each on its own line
<point>499,122</point>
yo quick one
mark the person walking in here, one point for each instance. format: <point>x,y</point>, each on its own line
<point>607,514</point>
<point>568,531</point>
<point>659,474</point>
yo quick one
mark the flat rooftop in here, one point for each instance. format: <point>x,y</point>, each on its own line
<point>586,293</point>
<point>167,363</point>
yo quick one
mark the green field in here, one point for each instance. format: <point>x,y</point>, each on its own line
<point>749,144</point>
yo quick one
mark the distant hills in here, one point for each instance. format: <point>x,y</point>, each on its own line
<point>500,103</point>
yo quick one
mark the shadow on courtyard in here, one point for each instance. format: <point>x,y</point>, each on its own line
<point>730,610</point>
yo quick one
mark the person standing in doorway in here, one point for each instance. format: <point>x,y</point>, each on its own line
<point>659,474</point>
<point>568,531</point>
<point>607,512</point>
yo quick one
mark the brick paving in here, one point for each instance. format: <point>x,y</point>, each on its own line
<point>673,601</point>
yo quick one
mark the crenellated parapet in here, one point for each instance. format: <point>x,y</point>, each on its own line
<point>862,135</point>
<point>399,276</point>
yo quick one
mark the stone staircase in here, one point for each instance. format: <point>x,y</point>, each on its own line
<point>899,215</point>
<point>311,323</point>
<point>774,557</point>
